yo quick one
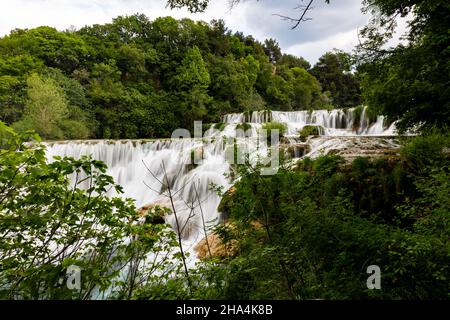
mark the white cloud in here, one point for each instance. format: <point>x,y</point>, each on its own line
<point>332,26</point>
<point>64,13</point>
<point>312,51</point>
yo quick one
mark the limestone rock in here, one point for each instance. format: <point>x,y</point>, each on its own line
<point>155,211</point>
<point>216,246</point>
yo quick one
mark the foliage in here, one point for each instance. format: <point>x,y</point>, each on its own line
<point>46,107</point>
<point>309,130</point>
<point>49,224</point>
<point>325,222</point>
<point>334,72</point>
<point>136,78</point>
<point>409,82</point>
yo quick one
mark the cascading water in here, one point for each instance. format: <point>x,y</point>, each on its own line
<point>335,122</point>
<point>140,166</point>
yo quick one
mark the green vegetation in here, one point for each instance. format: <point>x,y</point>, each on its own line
<point>325,222</point>
<point>244,126</point>
<point>333,72</point>
<point>308,232</point>
<point>48,224</point>
<point>305,233</point>
<point>278,127</point>
<point>136,78</point>
<point>309,130</point>
<point>220,126</point>
<point>48,112</point>
<point>410,82</point>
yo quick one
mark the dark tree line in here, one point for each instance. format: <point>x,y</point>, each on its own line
<point>139,78</point>
<point>408,82</point>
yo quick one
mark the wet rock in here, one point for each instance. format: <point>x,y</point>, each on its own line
<point>216,248</point>
<point>296,150</point>
<point>155,212</point>
<point>212,246</point>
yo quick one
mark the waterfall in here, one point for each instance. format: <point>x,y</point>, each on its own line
<point>336,122</point>
<point>136,165</point>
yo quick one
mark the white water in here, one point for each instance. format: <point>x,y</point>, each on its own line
<point>336,122</point>
<point>125,160</point>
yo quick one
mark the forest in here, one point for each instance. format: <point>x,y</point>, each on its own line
<point>135,78</point>
<point>307,232</point>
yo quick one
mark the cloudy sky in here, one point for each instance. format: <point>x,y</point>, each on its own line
<point>333,26</point>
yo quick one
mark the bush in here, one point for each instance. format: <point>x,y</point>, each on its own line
<point>327,221</point>
<point>220,126</point>
<point>309,130</point>
<point>278,126</point>
<point>49,224</point>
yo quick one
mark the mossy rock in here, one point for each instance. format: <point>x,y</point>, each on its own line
<point>269,126</point>
<point>154,214</point>
<point>244,126</point>
<point>220,126</point>
<point>227,202</point>
<point>296,150</point>
<point>309,130</point>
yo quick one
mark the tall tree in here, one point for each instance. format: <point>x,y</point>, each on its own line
<point>192,80</point>
<point>272,50</point>
<point>45,108</point>
<point>410,82</point>
<point>333,70</point>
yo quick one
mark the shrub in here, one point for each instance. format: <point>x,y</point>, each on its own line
<point>49,223</point>
<point>310,130</point>
<point>244,126</point>
<point>220,126</point>
<point>326,222</point>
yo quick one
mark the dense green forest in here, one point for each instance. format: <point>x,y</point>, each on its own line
<point>307,232</point>
<point>135,78</point>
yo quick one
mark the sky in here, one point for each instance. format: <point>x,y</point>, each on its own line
<point>332,26</point>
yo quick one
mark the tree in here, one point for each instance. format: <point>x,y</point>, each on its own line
<point>311,232</point>
<point>272,50</point>
<point>232,80</point>
<point>334,72</point>
<point>292,61</point>
<point>410,82</point>
<point>45,108</point>
<point>65,51</point>
<point>49,112</point>
<point>11,98</point>
<point>191,5</point>
<point>192,80</point>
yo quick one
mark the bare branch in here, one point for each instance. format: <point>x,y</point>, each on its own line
<point>297,21</point>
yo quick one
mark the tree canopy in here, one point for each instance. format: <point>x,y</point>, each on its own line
<point>410,82</point>
<point>136,78</point>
